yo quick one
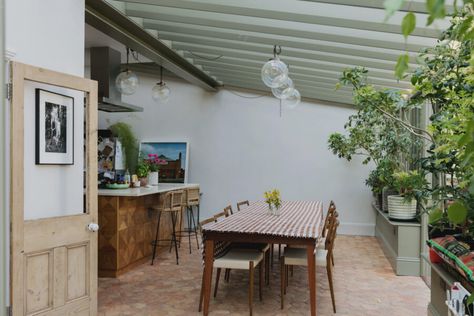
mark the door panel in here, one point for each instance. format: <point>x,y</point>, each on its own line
<point>53,260</point>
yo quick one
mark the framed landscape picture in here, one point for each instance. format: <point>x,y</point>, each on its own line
<point>54,128</point>
<point>176,155</point>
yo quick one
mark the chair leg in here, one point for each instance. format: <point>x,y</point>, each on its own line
<point>260,281</point>
<point>291,271</point>
<point>282,282</point>
<point>173,221</point>
<point>331,287</point>
<point>332,259</point>
<point>217,281</point>
<point>286,274</point>
<point>227,275</point>
<point>251,287</point>
<point>195,227</point>
<point>188,229</point>
<point>155,243</point>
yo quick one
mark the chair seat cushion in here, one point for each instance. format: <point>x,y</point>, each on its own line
<point>239,259</point>
<point>297,257</point>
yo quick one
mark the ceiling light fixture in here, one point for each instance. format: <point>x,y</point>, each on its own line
<point>274,72</point>
<point>284,90</point>
<point>160,92</point>
<point>127,81</point>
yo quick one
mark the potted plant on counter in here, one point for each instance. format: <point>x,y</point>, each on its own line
<point>142,173</point>
<point>129,142</point>
<point>154,162</point>
<point>404,205</point>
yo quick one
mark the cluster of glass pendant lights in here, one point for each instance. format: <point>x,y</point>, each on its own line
<point>127,83</point>
<point>275,76</point>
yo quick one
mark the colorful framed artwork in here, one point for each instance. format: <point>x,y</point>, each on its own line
<point>176,155</point>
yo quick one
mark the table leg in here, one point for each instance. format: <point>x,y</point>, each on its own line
<point>311,277</point>
<point>208,266</point>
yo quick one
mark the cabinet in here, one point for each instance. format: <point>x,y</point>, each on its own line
<point>400,241</point>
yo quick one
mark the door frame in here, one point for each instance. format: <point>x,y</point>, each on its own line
<point>19,74</point>
<point>3,169</point>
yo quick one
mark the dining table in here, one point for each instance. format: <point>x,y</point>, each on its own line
<point>298,223</point>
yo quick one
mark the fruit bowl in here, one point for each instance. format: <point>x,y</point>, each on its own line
<point>117,186</point>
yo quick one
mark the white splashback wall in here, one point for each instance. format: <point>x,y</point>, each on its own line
<point>241,147</point>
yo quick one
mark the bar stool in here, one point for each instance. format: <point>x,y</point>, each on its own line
<point>190,202</point>
<point>171,203</point>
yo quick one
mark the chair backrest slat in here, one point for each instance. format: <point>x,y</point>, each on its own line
<point>228,210</point>
<point>330,213</point>
<point>192,196</point>
<point>242,203</point>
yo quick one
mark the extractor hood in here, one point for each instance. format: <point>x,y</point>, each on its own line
<point>105,67</point>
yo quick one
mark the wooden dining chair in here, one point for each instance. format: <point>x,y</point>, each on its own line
<point>298,257</point>
<point>241,204</point>
<point>248,259</point>
<point>221,215</point>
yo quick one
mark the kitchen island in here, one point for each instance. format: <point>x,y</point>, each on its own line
<point>128,226</point>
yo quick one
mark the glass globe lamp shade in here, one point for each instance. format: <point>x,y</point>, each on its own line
<point>274,73</point>
<point>127,82</point>
<point>284,90</point>
<point>293,98</point>
<point>160,92</point>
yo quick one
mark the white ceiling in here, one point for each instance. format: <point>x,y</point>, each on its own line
<point>232,39</point>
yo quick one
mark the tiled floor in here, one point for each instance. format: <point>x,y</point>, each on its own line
<point>364,282</point>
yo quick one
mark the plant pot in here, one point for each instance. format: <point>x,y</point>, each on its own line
<point>386,192</point>
<point>143,181</point>
<point>153,178</point>
<point>401,209</point>
<point>434,257</point>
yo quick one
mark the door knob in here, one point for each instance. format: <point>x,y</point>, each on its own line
<point>93,227</point>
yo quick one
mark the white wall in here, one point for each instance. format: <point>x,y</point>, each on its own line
<point>241,147</point>
<point>49,34</point>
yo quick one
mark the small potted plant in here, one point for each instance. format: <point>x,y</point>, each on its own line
<point>154,163</point>
<point>273,199</point>
<point>404,205</point>
<point>142,173</point>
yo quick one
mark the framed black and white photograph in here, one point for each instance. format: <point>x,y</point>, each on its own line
<point>54,128</point>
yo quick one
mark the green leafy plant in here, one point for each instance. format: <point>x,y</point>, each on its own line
<point>272,198</point>
<point>409,183</point>
<point>127,138</point>
<point>142,170</point>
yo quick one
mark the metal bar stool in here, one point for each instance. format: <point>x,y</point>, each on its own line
<point>171,203</point>
<point>190,203</point>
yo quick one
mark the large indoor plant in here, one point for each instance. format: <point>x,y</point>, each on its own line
<point>404,205</point>
<point>129,143</point>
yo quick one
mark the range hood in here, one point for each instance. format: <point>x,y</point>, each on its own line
<point>105,67</point>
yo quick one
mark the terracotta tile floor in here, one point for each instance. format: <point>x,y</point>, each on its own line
<point>365,285</point>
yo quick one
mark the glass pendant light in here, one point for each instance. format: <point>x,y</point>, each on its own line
<point>127,81</point>
<point>293,99</point>
<point>160,92</point>
<point>284,90</point>
<point>274,72</point>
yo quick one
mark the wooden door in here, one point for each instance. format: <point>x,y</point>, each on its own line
<point>53,260</point>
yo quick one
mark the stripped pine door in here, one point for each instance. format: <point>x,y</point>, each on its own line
<point>53,260</point>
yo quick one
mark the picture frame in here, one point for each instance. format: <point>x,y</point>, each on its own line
<point>54,128</point>
<point>170,151</point>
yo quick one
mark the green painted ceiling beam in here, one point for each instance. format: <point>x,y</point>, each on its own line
<point>298,11</point>
<point>304,67</point>
<point>285,28</point>
<point>322,95</point>
<point>231,71</point>
<point>190,30</point>
<point>418,6</point>
<point>286,51</point>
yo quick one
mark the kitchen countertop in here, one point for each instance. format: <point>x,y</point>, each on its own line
<point>160,188</point>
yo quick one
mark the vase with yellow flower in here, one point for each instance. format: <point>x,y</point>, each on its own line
<point>273,199</point>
